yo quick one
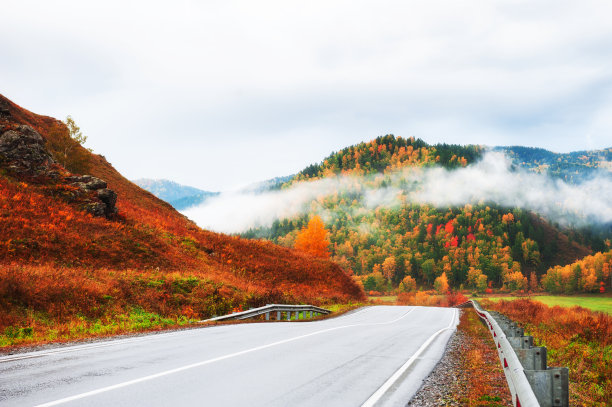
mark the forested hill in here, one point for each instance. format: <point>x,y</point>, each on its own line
<point>406,243</point>
<point>388,153</point>
<point>572,167</point>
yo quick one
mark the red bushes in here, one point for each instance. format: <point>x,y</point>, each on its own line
<point>427,298</point>
<point>69,259</point>
<point>577,338</point>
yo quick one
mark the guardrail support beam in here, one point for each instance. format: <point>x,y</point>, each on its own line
<point>533,358</point>
<point>518,342</point>
<point>550,386</point>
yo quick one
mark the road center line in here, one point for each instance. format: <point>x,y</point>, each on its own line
<point>375,398</point>
<point>209,361</point>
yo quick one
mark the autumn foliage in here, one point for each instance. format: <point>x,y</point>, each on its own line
<point>313,239</point>
<point>576,337</point>
<point>431,299</point>
<point>58,263</point>
<point>585,275</point>
<point>478,246</point>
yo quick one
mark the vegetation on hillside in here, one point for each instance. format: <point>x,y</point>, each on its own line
<point>576,337</point>
<point>590,274</point>
<point>388,153</point>
<point>48,240</point>
<point>388,241</point>
<point>572,167</point>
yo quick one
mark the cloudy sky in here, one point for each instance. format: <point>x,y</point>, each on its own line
<point>218,94</point>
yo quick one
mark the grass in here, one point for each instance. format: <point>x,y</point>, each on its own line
<point>599,303</point>
<point>43,331</point>
<point>383,298</point>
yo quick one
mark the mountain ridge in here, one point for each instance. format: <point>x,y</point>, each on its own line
<point>385,246</point>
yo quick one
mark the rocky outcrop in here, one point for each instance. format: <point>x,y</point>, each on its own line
<point>107,197</point>
<point>24,155</point>
<point>23,152</point>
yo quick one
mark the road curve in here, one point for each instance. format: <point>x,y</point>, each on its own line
<point>373,356</point>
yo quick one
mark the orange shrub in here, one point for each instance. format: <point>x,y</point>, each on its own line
<point>576,337</point>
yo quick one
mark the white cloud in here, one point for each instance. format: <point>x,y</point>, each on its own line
<point>307,78</point>
<point>489,181</point>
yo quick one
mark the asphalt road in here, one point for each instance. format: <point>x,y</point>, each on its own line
<point>374,356</point>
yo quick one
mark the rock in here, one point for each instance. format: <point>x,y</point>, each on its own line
<point>87,182</point>
<point>4,110</point>
<point>23,151</point>
<point>109,198</point>
<point>96,208</point>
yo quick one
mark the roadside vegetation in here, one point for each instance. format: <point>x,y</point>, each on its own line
<point>576,337</point>
<point>67,274</point>
<point>485,382</point>
<point>594,303</point>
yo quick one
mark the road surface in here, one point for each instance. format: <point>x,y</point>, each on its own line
<point>373,356</point>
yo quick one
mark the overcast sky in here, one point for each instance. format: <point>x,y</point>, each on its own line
<point>218,94</point>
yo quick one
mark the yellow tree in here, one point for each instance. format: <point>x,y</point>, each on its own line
<point>313,239</point>
<point>441,284</point>
<point>66,144</point>
<point>388,267</point>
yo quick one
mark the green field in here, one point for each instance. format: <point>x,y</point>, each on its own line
<point>595,303</point>
<point>383,298</point>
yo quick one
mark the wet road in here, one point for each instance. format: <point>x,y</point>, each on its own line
<point>373,356</point>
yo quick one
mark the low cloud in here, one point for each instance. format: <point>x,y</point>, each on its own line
<point>492,180</point>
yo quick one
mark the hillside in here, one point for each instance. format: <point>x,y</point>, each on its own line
<point>572,167</point>
<point>386,238</point>
<point>78,251</point>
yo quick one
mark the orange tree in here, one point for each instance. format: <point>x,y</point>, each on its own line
<point>313,239</point>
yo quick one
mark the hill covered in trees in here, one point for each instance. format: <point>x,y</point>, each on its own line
<point>91,254</point>
<point>572,167</point>
<point>389,240</point>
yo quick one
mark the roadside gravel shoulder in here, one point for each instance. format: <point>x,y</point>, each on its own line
<point>469,373</point>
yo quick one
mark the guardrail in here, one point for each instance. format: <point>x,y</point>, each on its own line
<point>531,381</point>
<point>272,310</point>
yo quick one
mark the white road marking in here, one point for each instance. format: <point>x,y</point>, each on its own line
<point>375,398</point>
<point>209,361</point>
<point>13,358</point>
<point>75,348</point>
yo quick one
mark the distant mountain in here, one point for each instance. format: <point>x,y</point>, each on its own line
<point>183,197</point>
<point>179,196</point>
<point>572,167</point>
<point>268,185</point>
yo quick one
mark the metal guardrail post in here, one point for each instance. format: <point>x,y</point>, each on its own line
<point>278,308</point>
<point>524,342</point>
<point>550,386</point>
<point>531,382</point>
<point>532,358</point>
